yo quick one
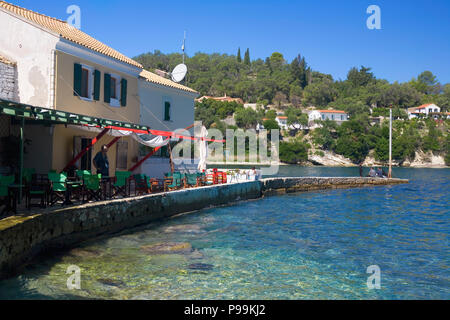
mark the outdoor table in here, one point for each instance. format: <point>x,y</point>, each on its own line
<point>156,184</point>
<point>68,193</point>
<point>13,196</point>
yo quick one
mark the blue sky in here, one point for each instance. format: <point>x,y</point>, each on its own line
<point>332,35</point>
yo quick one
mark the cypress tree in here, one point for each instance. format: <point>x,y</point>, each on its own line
<point>247,57</point>
<point>239,58</point>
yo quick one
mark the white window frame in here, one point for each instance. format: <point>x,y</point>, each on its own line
<point>115,102</point>
<point>90,82</point>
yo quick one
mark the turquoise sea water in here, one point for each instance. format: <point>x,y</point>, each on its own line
<point>314,245</point>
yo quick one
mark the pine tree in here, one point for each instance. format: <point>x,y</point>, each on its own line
<point>300,71</point>
<point>247,57</point>
<point>239,58</point>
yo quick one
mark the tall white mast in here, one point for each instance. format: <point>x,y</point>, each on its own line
<point>184,45</point>
<point>390,142</point>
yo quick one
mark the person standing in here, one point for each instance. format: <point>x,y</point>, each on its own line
<point>101,162</point>
<point>360,170</point>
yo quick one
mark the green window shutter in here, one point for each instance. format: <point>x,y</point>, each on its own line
<point>77,79</point>
<point>167,111</point>
<point>97,85</point>
<point>107,85</point>
<point>123,92</point>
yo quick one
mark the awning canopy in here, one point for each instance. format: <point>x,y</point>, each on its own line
<point>62,117</point>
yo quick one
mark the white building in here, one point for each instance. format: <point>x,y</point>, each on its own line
<point>338,116</point>
<point>167,106</point>
<point>423,110</point>
<point>282,122</point>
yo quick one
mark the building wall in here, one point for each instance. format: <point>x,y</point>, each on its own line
<point>152,114</point>
<point>32,48</point>
<point>152,107</point>
<point>337,116</point>
<point>314,115</point>
<point>67,101</point>
<point>63,148</point>
<point>39,150</point>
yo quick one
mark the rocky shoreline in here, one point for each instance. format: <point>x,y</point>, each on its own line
<point>421,160</point>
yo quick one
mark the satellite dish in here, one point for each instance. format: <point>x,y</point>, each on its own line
<point>179,73</point>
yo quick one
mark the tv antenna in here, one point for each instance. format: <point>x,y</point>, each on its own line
<point>183,47</point>
<point>179,73</point>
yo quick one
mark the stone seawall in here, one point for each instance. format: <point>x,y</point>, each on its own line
<point>23,237</point>
<point>287,185</point>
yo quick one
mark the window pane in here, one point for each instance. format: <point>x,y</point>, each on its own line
<point>85,83</point>
<point>167,111</point>
<point>113,88</point>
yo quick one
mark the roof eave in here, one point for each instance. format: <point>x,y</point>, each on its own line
<point>162,86</point>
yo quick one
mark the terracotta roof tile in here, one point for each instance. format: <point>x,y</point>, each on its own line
<point>331,111</point>
<point>68,32</point>
<point>154,78</point>
<point>6,61</point>
<point>424,106</point>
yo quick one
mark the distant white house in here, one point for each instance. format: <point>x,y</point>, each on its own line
<point>334,115</point>
<point>282,122</point>
<point>423,110</point>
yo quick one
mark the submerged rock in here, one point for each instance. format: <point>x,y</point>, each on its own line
<point>111,282</point>
<point>168,248</point>
<point>196,254</point>
<point>201,266</point>
<point>186,228</point>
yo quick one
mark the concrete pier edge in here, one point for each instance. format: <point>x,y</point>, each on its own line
<point>23,238</point>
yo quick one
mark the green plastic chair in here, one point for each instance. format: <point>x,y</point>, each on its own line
<point>5,181</point>
<point>120,186</point>
<point>142,184</point>
<point>57,187</point>
<point>36,188</point>
<point>93,188</point>
<point>81,173</point>
<point>27,175</point>
<point>192,180</point>
<point>176,181</point>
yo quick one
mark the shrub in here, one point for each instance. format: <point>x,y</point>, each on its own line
<point>293,152</point>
